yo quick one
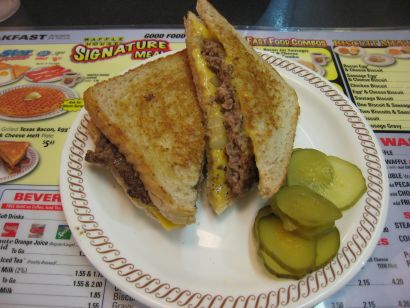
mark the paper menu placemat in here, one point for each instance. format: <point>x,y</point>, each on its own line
<point>40,263</point>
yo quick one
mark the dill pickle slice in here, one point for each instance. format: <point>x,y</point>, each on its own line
<point>336,179</point>
<point>314,232</point>
<point>327,247</point>
<point>291,225</point>
<point>276,269</point>
<point>347,186</point>
<point>306,207</point>
<point>287,223</point>
<point>309,167</point>
<point>264,211</point>
<point>294,253</point>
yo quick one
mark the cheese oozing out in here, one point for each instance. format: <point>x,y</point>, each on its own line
<point>219,193</point>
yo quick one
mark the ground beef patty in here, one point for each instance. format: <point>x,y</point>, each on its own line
<point>107,154</point>
<point>241,170</point>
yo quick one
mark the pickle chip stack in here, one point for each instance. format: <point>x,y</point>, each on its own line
<point>296,233</point>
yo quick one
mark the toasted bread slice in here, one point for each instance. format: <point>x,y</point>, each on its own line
<point>149,209</point>
<point>12,152</point>
<point>151,115</point>
<point>268,104</point>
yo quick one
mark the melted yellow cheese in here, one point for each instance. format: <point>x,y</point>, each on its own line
<point>218,191</point>
<point>164,222</point>
<point>206,76</point>
<point>200,30</point>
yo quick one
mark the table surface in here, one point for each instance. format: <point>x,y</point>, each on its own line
<point>274,13</point>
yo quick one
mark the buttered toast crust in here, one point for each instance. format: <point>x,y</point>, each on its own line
<point>151,114</point>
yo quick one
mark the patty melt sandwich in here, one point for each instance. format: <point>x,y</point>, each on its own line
<point>250,112</point>
<point>13,153</point>
<point>147,128</point>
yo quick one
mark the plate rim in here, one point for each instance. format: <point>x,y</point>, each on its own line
<point>356,250</point>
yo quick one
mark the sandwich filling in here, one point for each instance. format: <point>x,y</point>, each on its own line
<point>241,171</point>
<point>107,154</point>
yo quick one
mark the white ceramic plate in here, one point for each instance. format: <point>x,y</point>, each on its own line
<point>26,167</point>
<point>68,92</point>
<point>213,262</point>
<point>399,56</point>
<point>360,53</point>
<point>378,59</point>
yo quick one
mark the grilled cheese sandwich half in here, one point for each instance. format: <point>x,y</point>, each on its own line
<point>149,133</point>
